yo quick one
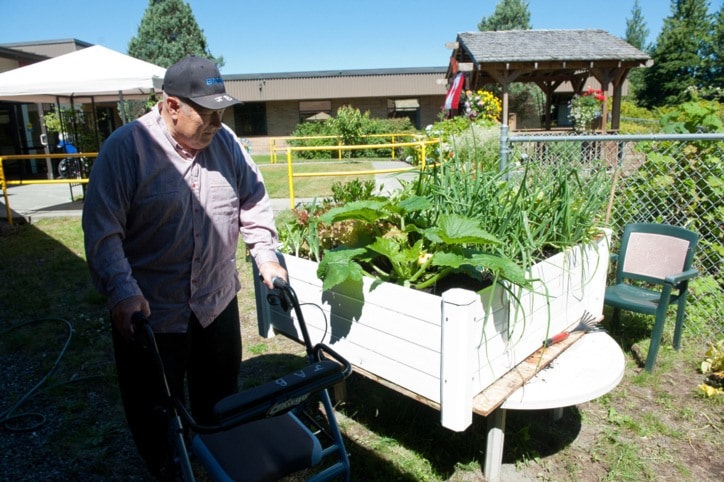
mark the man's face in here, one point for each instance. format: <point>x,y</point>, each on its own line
<point>194,126</point>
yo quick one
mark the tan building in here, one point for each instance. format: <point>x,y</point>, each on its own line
<point>274,103</point>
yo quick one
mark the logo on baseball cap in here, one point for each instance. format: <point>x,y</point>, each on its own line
<point>199,80</point>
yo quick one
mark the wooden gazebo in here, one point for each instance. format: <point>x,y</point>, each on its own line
<point>547,58</point>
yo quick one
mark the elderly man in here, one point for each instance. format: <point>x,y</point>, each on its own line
<point>168,197</point>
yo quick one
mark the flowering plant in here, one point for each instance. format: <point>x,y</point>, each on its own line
<point>481,106</point>
<point>585,108</point>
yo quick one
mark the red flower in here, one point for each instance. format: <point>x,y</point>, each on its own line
<point>595,93</point>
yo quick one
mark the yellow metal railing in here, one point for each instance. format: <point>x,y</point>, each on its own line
<point>339,147</point>
<point>4,182</point>
<point>421,145</point>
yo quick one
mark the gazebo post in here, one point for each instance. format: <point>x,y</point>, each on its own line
<point>618,81</point>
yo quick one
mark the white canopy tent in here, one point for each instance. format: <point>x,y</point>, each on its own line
<point>96,71</point>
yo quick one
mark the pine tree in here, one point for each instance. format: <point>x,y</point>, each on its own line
<point>525,99</point>
<point>636,34</point>
<point>167,33</point>
<point>680,55</point>
<point>715,68</point>
<point>636,31</point>
<point>508,15</point>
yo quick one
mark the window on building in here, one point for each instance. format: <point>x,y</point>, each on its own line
<point>310,110</point>
<point>399,108</point>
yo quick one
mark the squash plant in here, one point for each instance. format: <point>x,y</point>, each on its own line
<point>410,254</point>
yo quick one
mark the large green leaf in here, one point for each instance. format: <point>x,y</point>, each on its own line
<point>370,211</point>
<point>338,266</point>
<point>403,258</point>
<point>374,210</point>
<point>456,229</point>
<point>498,265</point>
<point>414,204</point>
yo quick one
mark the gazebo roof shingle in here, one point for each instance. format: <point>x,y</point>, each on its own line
<point>547,45</point>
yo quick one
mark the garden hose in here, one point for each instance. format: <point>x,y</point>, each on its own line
<point>13,422</point>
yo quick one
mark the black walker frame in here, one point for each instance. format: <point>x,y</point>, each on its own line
<point>263,433</point>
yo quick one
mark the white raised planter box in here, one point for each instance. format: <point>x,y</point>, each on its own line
<point>446,348</point>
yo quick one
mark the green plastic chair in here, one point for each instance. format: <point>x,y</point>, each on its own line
<point>653,269</point>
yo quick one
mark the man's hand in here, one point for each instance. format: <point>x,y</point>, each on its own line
<point>122,312</point>
<point>271,270</point>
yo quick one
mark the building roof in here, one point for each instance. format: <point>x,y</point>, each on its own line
<point>547,45</point>
<point>19,55</point>
<point>338,84</point>
<point>337,73</point>
<point>49,48</point>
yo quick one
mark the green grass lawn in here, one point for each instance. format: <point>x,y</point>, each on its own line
<point>276,176</point>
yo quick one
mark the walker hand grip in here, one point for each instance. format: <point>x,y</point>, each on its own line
<point>142,332</point>
<point>138,319</point>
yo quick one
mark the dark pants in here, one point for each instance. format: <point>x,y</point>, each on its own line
<point>207,357</point>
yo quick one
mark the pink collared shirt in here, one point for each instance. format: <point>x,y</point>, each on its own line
<point>161,222</point>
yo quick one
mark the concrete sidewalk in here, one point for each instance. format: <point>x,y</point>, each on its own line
<point>36,201</point>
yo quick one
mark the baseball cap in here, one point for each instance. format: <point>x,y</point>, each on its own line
<point>199,80</point>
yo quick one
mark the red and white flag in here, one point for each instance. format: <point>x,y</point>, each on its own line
<point>452,99</point>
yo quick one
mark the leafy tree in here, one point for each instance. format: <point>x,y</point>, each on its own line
<point>636,34</point>
<point>168,32</point>
<point>680,55</point>
<point>508,15</point>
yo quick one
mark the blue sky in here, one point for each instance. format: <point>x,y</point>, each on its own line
<point>293,35</point>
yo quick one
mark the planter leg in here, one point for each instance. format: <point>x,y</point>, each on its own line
<point>494,445</point>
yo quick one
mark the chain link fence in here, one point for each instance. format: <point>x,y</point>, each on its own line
<point>672,179</point>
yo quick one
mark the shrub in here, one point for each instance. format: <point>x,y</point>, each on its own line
<point>326,136</point>
<point>349,127</point>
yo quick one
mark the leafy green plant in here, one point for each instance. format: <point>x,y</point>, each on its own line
<point>694,117</point>
<point>412,254</point>
<point>348,127</point>
<point>302,233</point>
<point>348,124</point>
<point>298,230</point>
<point>535,209</point>
<point>354,190</point>
<point>462,217</point>
<point>459,137</point>
<point>313,134</point>
<point>585,108</point>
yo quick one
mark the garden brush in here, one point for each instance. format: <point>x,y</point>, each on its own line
<point>586,323</point>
